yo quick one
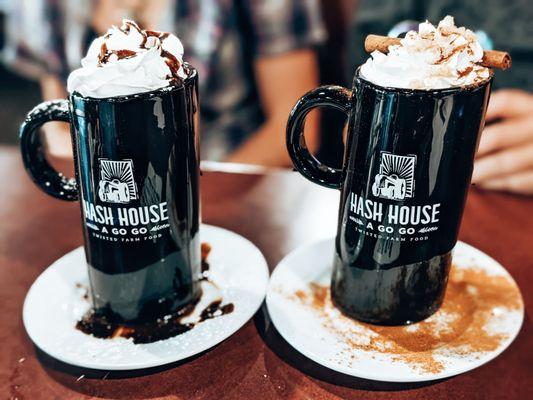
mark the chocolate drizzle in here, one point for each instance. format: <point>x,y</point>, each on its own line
<point>105,324</point>
<point>105,54</point>
<point>161,35</point>
<point>205,249</point>
<point>173,63</point>
<point>216,309</point>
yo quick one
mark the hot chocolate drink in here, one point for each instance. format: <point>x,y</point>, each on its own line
<point>415,116</point>
<point>132,109</point>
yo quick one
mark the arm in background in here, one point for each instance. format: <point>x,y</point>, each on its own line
<point>57,133</point>
<point>281,80</point>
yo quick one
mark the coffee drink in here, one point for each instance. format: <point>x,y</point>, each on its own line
<point>132,110</point>
<point>407,167</point>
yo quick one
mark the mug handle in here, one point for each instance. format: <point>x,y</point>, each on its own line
<point>336,97</point>
<point>41,172</point>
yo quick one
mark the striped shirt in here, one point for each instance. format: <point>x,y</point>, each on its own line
<point>222,38</point>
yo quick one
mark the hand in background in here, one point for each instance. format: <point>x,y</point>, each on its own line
<point>504,160</point>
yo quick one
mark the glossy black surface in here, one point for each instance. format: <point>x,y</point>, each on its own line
<point>336,97</point>
<point>33,154</point>
<point>383,273</point>
<point>137,171</point>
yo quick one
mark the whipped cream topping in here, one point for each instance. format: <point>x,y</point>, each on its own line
<point>438,57</point>
<point>128,60</point>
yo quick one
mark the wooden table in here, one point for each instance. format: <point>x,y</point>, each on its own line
<point>278,211</point>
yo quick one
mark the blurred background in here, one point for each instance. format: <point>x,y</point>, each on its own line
<point>257,57</point>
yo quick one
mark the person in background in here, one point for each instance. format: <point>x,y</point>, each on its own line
<point>254,58</point>
<point>504,159</point>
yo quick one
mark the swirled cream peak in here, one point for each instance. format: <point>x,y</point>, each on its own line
<point>438,57</point>
<point>128,60</point>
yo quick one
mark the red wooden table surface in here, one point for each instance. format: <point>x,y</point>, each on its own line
<point>278,211</point>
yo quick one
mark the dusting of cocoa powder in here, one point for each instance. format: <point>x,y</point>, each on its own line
<point>458,329</point>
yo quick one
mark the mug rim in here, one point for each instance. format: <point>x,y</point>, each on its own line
<point>450,90</point>
<point>188,81</point>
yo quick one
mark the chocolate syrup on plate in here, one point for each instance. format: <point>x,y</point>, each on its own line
<point>105,325</point>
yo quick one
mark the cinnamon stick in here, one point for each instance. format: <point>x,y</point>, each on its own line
<point>496,59</point>
<point>491,58</point>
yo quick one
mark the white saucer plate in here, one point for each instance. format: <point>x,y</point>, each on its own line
<point>54,304</point>
<point>314,332</point>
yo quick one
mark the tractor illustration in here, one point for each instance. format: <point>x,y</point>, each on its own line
<point>113,191</point>
<point>389,187</point>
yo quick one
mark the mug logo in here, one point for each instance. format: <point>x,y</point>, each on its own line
<point>117,184</point>
<point>395,180</point>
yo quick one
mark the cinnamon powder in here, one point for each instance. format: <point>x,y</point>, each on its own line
<point>460,328</point>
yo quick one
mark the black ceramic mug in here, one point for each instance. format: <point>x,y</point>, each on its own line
<point>137,172</point>
<point>407,167</point>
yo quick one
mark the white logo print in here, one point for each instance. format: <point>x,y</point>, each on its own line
<point>117,184</point>
<point>395,180</point>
